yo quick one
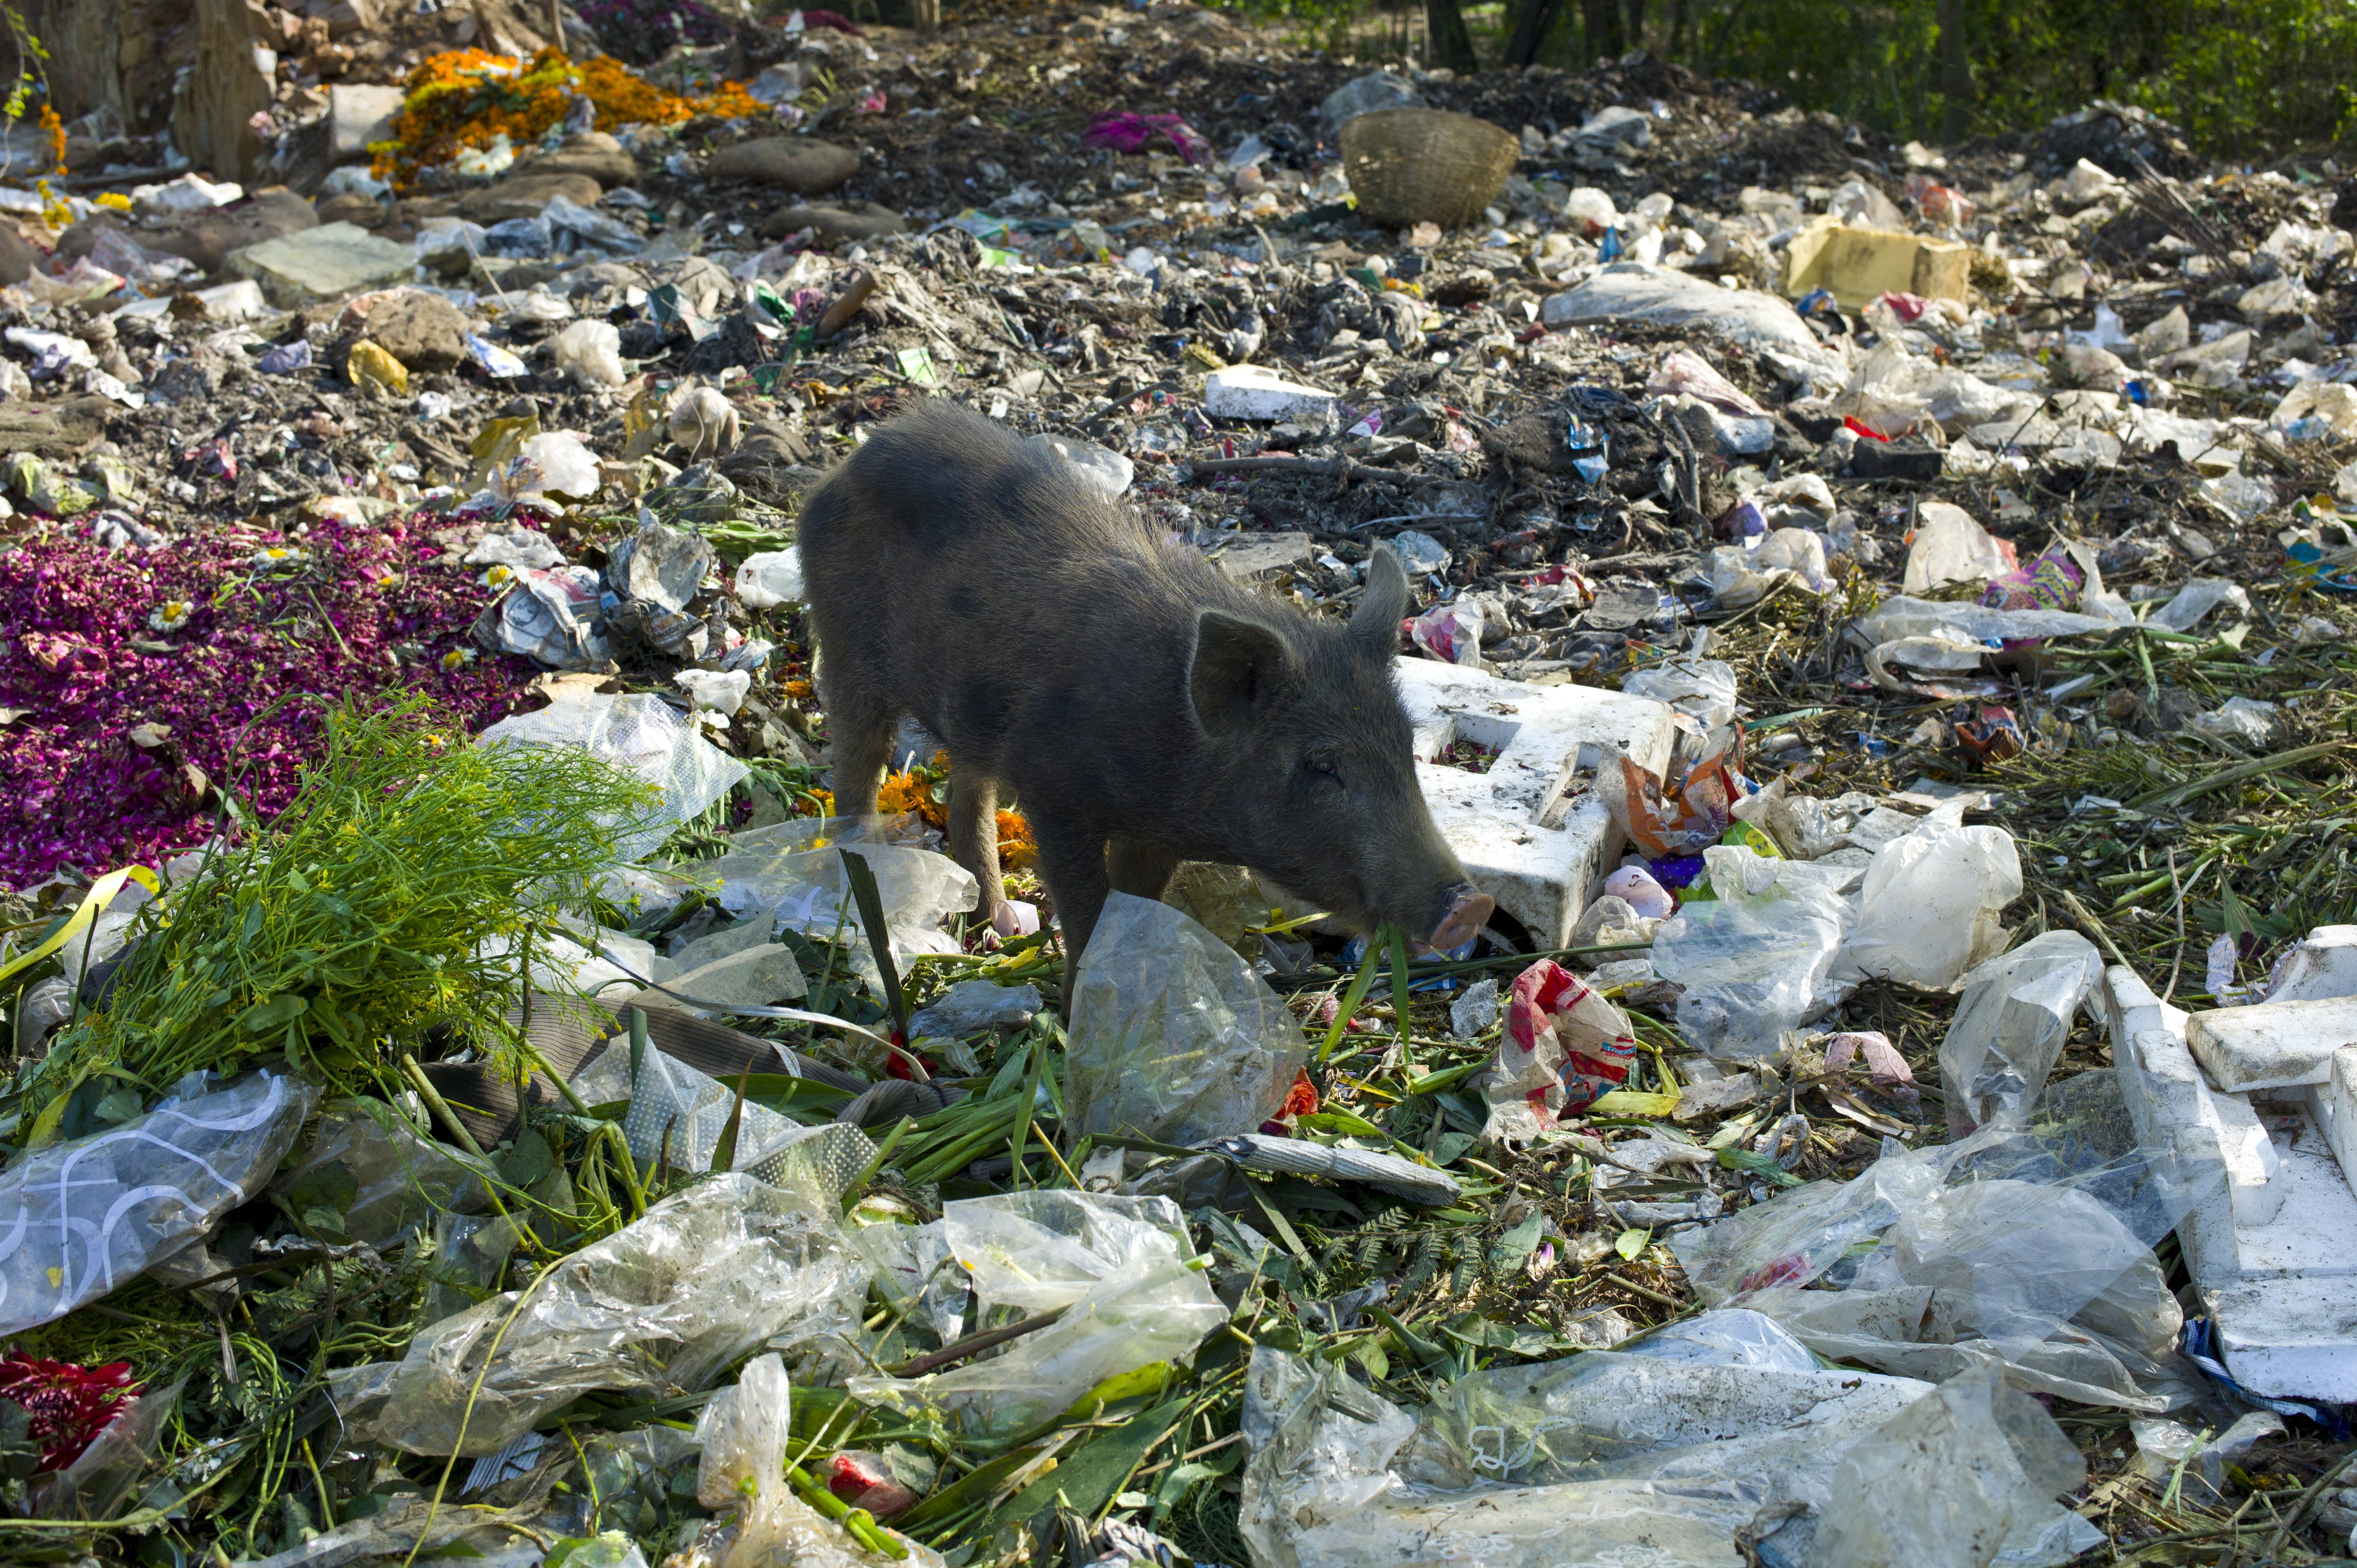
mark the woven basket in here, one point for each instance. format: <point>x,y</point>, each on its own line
<point>1426,166</point>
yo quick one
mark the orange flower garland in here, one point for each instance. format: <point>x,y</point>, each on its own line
<point>468,98</point>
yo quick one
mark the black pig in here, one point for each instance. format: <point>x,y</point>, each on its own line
<point>1143,708</point>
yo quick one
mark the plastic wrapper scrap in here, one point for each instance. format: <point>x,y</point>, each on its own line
<point>1681,817</point>
<point>741,1476</point>
<point>1605,1458</point>
<point>78,1218</point>
<point>1122,132</point>
<point>1119,1268</point>
<point>1173,1035</point>
<point>1756,959</point>
<point>2029,1246</point>
<point>1563,1046</point>
<point>702,1278</point>
<point>640,735</point>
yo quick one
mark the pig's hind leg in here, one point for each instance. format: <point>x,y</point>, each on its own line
<point>1140,868</point>
<point>973,843</point>
<point>859,728</point>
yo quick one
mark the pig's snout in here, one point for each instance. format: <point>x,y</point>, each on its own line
<point>1469,911</point>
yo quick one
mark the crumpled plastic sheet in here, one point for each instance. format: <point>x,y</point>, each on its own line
<point>1173,1035</point>
<point>1738,576</point>
<point>1564,1045</point>
<point>972,1005</point>
<point>2009,1027</point>
<point>2197,599</point>
<point>2029,1246</point>
<point>403,1180</point>
<point>640,735</point>
<point>702,1277</point>
<point>550,617</point>
<point>1758,959</point>
<point>677,1115</point>
<point>1118,1265</point>
<point>794,871</point>
<point>1967,1472</point>
<point>1923,634</point>
<point>102,1475</point>
<point>1949,546</point>
<point>1931,904</point>
<point>1606,1458</point>
<point>746,1439</point>
<point>78,1218</point>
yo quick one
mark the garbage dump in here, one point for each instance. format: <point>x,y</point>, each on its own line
<point>1073,785</point>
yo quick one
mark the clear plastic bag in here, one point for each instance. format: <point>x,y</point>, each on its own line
<point>402,1180</point>
<point>2010,1025</point>
<point>643,736</point>
<point>742,1475</point>
<point>592,351</point>
<point>1929,909</point>
<point>1757,959</point>
<point>677,1115</point>
<point>1173,1037</point>
<point>1119,1267</point>
<point>1949,546</point>
<point>1968,1472</point>
<point>78,1218</point>
<point>702,1278</point>
<point>972,1005</point>
<point>803,887</point>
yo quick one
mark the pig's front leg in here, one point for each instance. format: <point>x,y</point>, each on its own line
<point>1073,864</point>
<point>973,843</point>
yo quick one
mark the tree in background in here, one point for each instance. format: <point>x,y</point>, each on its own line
<point>2242,77</point>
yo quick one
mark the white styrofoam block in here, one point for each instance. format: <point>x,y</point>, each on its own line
<point>2313,1232</point>
<point>2130,1007</point>
<point>1249,391</point>
<point>2288,1338</point>
<point>2274,1044</point>
<point>1531,831</point>
<point>2335,1109</point>
<point>2322,966</point>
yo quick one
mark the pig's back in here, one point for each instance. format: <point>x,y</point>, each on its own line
<point>1018,613</point>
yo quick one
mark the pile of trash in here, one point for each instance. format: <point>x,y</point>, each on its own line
<point>1879,631</point>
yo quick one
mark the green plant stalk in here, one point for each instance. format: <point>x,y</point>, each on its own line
<point>1349,1006</point>
<point>859,1521</point>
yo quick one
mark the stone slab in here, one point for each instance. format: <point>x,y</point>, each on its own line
<point>325,263</point>
<point>1531,831</point>
<point>2274,1044</point>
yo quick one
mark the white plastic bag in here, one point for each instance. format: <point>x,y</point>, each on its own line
<point>768,579</point>
<point>1930,907</point>
<point>1174,1037</point>
<point>591,350</point>
<point>1949,546</point>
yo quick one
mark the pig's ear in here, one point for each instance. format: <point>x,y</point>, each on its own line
<point>1374,627</point>
<point>1239,671</point>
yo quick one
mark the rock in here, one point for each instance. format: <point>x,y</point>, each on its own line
<point>204,238</point>
<point>806,166</point>
<point>297,270</point>
<point>190,379</point>
<point>54,430</point>
<point>836,222</point>
<point>1909,457</point>
<point>350,209</point>
<point>523,195</point>
<point>18,257</point>
<point>592,153</point>
<point>356,115</point>
<point>424,331</point>
<point>1248,392</point>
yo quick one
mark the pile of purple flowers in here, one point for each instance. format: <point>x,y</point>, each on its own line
<point>237,644</point>
<point>641,32</point>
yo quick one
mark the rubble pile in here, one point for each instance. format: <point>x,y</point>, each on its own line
<point>1879,631</point>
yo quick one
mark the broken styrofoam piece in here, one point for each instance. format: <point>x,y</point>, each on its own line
<point>1860,266</point>
<point>1248,392</point>
<point>2321,967</point>
<point>2336,1112</point>
<point>1531,833</point>
<point>2277,1240</point>
<point>2271,1044</point>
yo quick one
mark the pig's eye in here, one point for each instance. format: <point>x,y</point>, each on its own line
<point>1324,769</point>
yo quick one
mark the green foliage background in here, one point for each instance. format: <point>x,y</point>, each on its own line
<point>2249,80</point>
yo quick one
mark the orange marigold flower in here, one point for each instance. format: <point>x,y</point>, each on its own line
<point>798,690</point>
<point>1016,849</point>
<point>1301,1099</point>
